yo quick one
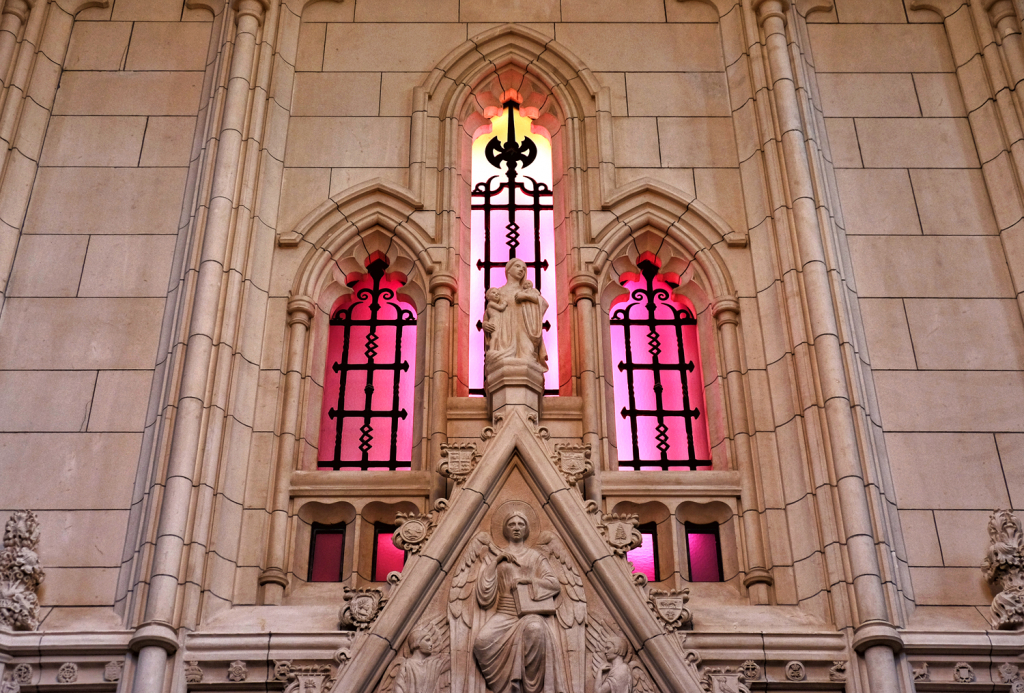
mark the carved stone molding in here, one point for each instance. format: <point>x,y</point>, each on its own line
<point>361,608</point>
<point>20,573</point>
<point>963,673</point>
<point>795,671</point>
<point>193,672</point>
<point>573,461</point>
<point>669,607</point>
<point>459,461</point>
<point>415,528</point>
<point>1004,569</point>
<point>68,673</point>
<point>751,670</point>
<point>238,671</point>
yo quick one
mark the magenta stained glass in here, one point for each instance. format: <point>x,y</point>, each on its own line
<point>327,553</point>
<point>657,376</point>
<point>645,557</point>
<point>386,556</point>
<point>365,421</point>
<point>705,553</point>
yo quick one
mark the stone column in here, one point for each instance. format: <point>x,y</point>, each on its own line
<point>758,579</point>
<point>15,13</point>
<point>875,637</point>
<point>442,295</point>
<point>583,288</point>
<point>273,579</point>
<point>157,636</point>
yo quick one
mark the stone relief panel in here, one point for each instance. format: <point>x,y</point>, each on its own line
<point>20,573</point>
<point>1004,569</point>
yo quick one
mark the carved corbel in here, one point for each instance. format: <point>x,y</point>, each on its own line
<point>459,461</point>
<point>361,608</point>
<point>415,528</point>
<point>573,461</point>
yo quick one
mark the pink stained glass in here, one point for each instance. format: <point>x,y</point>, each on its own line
<point>535,240</point>
<point>643,557</point>
<point>704,557</point>
<point>387,557</point>
<point>367,343</point>
<point>328,554</point>
<point>647,347</point>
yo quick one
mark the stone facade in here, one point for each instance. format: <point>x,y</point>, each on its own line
<point>187,187</point>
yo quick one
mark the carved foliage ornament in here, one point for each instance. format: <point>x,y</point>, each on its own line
<point>68,673</point>
<point>1004,569</point>
<point>361,607</point>
<point>415,528</point>
<point>20,573</point>
<point>795,671</point>
<point>573,461</point>
<point>459,461</point>
<point>669,606</point>
<point>238,671</point>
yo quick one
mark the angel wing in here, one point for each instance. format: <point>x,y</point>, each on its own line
<point>641,681</point>
<point>387,682</point>
<point>462,676</point>
<point>598,632</point>
<point>570,604</point>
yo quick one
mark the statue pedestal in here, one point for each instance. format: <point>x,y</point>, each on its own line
<point>515,382</point>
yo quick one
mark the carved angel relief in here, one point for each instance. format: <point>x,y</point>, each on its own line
<point>517,611</point>
<point>424,663</point>
<point>616,667</point>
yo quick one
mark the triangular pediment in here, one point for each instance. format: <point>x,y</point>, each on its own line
<point>439,592</point>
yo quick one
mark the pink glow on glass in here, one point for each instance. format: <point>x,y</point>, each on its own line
<point>541,171</point>
<point>643,380</point>
<point>642,558</point>
<point>388,557</point>
<point>328,553</point>
<point>383,381</point>
<point>703,550</point>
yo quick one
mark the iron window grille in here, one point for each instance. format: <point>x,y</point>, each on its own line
<point>513,196</point>
<point>639,314</point>
<point>388,317</point>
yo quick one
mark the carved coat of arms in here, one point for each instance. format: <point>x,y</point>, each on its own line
<point>361,608</point>
<point>670,608</point>
<point>459,461</point>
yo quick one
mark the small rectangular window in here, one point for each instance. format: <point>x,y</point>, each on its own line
<point>386,556</point>
<point>704,552</point>
<point>645,557</point>
<point>326,552</point>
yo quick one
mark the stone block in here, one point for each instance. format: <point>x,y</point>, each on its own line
<point>396,92</point>
<point>691,12</point>
<point>870,95</point>
<point>312,39</point>
<point>1011,455</point>
<point>325,142</point>
<point>98,45</point>
<point>636,142</point>
<point>930,266</point>
<point>128,93</point>
<point>82,538</point>
<point>870,11</point>
<point>721,189</point>
<point>389,47</point>
<point>147,10</point>
<point>616,83</point>
<point>951,401</point>
<point>337,94</point>
<point>45,400</point>
<point>106,201</point>
<point>880,48</point>
<point>302,190</point>
<point>888,335</point>
<point>168,141</point>
<point>945,471</point>
<point>510,11</point>
<point>127,266</point>
<point>327,11</point>
<point>48,266</point>
<point>953,202</point>
<point>78,587</point>
<point>920,537</point>
<point>917,143</point>
<point>645,48</point>
<point>963,536</point>
<point>407,11</point>
<point>842,140</point>
<point>93,141</point>
<point>344,178</point>
<point>169,46</point>
<point>966,334</point>
<point>697,142</point>
<point>950,587</point>
<point>94,471</point>
<point>677,94</point>
<point>80,333</point>
<point>120,401</point>
<point>612,11</point>
<point>939,95</point>
<point>878,201</point>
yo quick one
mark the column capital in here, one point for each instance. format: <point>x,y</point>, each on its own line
<point>443,285</point>
<point>154,634</point>
<point>726,311</point>
<point>301,309</point>
<point>583,286</point>
<point>998,10</point>
<point>253,8</point>
<point>766,9</point>
<point>871,633</point>
<point>17,8</point>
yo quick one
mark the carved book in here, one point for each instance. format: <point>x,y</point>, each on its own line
<point>526,604</point>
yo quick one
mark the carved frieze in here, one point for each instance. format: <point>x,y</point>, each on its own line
<point>312,678</point>
<point>922,674</point>
<point>751,670</point>
<point>20,573</point>
<point>361,607</point>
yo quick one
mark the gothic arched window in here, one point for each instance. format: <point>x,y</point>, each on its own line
<point>366,417</point>
<point>659,394</point>
<point>512,217</point>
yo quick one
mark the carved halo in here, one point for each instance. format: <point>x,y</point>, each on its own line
<point>502,514</point>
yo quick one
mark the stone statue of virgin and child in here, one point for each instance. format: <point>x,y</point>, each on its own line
<point>513,321</point>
